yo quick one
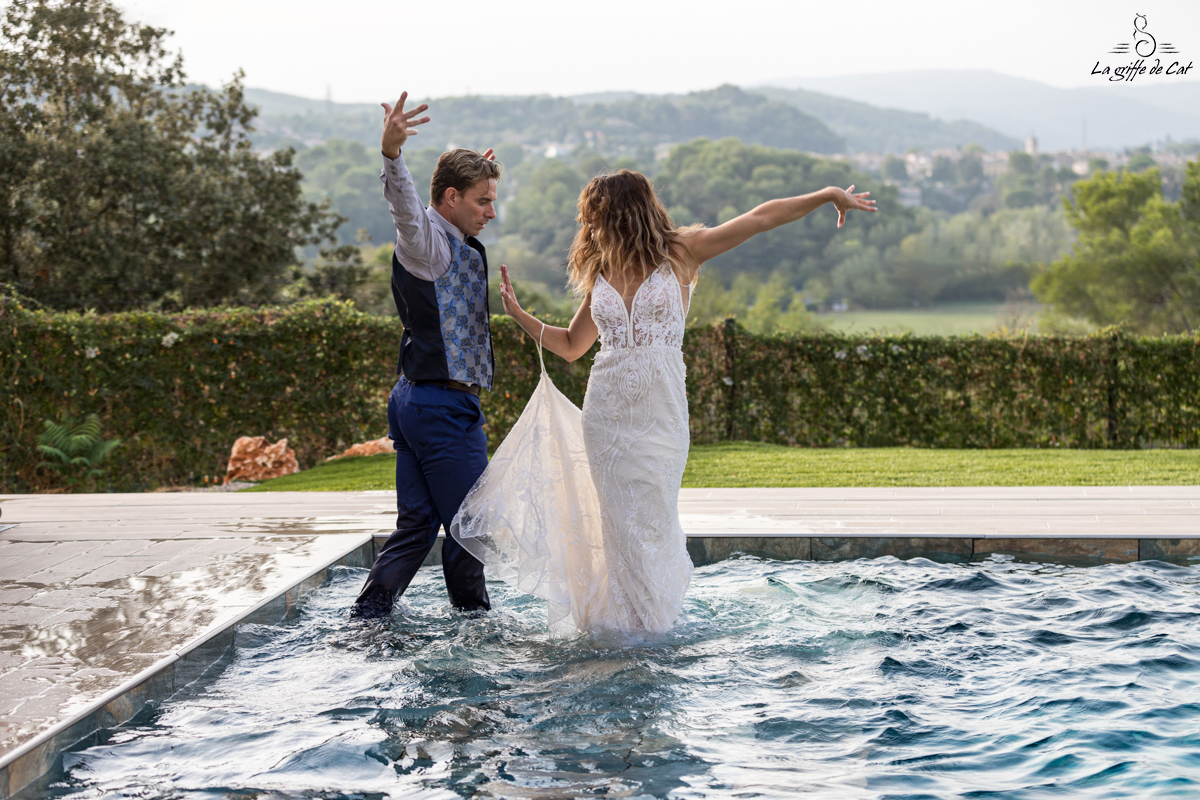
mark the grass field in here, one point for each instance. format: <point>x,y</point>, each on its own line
<point>947,320</point>
<point>749,464</point>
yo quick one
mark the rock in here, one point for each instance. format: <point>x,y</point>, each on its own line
<point>372,448</point>
<point>253,459</point>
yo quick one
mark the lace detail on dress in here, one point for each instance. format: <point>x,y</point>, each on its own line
<point>610,316</point>
<point>657,313</point>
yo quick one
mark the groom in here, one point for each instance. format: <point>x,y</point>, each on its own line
<point>440,285</point>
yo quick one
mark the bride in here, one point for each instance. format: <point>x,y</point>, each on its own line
<point>582,508</point>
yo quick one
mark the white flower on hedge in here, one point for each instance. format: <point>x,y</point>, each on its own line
<point>91,352</point>
<point>897,348</point>
<point>728,380</point>
<point>170,339</point>
<point>863,351</point>
<point>841,354</point>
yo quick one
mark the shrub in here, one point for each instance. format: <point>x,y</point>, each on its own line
<point>74,449</point>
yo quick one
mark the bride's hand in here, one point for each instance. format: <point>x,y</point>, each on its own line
<point>848,200</point>
<point>511,306</point>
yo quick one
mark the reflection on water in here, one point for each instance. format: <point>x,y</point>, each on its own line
<point>869,679</point>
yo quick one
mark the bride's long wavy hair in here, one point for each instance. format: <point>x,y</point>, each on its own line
<point>624,231</point>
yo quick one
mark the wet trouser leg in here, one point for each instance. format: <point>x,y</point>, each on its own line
<point>441,450</point>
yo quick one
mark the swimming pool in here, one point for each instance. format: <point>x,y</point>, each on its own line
<point>865,679</point>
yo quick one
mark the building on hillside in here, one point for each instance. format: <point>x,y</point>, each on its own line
<point>994,164</point>
<point>918,165</point>
<point>909,195</point>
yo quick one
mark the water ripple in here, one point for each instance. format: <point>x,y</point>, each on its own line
<point>866,679</point>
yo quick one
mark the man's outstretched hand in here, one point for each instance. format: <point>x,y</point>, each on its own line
<point>847,200</point>
<point>398,125</point>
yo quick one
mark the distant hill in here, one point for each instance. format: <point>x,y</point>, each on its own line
<point>714,114</point>
<point>1183,96</point>
<point>887,130</point>
<point>605,97</point>
<point>280,104</point>
<point>1116,116</point>
<point>627,123</point>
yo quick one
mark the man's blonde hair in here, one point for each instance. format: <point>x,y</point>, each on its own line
<point>460,169</point>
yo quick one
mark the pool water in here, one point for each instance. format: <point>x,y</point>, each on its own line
<point>865,679</point>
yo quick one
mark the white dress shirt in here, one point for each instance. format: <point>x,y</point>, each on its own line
<point>421,243</point>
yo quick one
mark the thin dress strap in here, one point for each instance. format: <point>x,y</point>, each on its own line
<point>541,335</point>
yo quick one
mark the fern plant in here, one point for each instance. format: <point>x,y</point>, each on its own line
<point>74,450</point>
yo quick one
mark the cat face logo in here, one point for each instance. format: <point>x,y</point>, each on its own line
<point>1144,43</point>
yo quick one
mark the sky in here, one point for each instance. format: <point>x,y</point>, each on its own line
<point>370,50</point>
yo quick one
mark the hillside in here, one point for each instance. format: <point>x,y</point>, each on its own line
<point>888,130</point>
<point>1116,116</point>
<point>625,125</point>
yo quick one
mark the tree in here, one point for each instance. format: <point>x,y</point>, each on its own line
<point>893,168</point>
<point>1137,260</point>
<point>1021,163</point>
<point>1140,162</point>
<point>539,224</point>
<point>711,182</point>
<point>970,169</point>
<point>943,170</point>
<point>121,188</point>
<point>347,173</point>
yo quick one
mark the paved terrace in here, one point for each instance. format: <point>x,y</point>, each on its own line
<point>109,601</point>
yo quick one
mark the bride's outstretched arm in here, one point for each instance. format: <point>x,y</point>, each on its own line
<point>571,342</point>
<point>708,243</point>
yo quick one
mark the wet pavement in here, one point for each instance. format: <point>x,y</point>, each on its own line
<point>98,589</point>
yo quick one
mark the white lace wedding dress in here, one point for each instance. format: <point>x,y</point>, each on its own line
<point>581,508</point>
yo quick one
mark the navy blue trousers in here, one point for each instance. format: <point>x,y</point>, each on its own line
<point>441,450</point>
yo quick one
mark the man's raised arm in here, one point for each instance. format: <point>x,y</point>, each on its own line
<point>423,252</point>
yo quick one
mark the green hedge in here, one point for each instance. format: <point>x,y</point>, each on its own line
<point>178,389</point>
<point>1103,391</point>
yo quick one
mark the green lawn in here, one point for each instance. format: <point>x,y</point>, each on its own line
<point>343,475</point>
<point>947,320</point>
<point>741,464</point>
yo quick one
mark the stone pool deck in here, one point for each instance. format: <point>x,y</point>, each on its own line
<point>111,601</point>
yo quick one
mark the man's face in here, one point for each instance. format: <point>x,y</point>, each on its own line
<point>470,210</point>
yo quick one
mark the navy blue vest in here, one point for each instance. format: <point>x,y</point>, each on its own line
<point>447,329</point>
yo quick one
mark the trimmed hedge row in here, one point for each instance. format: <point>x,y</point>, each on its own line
<point>178,389</point>
<point>1103,391</point>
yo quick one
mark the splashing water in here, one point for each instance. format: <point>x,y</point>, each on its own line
<point>866,679</point>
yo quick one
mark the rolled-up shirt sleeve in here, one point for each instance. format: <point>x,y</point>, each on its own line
<point>421,248</point>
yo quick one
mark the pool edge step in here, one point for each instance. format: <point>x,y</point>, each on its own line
<point>1076,551</point>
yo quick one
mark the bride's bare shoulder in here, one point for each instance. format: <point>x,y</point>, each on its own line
<point>685,266</point>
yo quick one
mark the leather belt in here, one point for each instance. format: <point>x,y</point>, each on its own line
<point>457,386</point>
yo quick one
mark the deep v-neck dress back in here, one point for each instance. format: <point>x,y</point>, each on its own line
<point>595,529</point>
